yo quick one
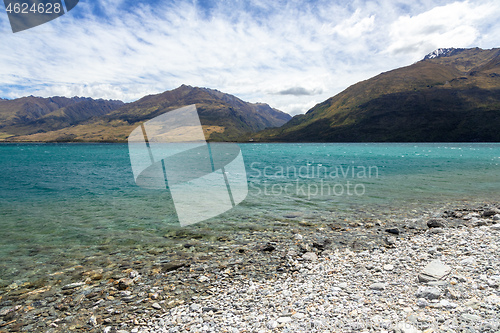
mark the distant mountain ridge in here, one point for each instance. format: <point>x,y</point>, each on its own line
<point>451,95</point>
<point>29,115</point>
<point>31,108</point>
<point>224,117</point>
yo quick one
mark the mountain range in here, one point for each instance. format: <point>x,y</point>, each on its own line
<point>224,117</point>
<point>452,95</point>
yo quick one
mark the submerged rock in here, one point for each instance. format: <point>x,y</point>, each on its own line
<point>73,285</point>
<point>172,266</point>
<point>268,248</point>
<point>125,283</point>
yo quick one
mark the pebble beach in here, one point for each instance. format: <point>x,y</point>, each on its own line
<point>434,273</point>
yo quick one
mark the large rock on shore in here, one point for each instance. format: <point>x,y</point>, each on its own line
<point>436,223</point>
<point>491,212</point>
<point>434,271</point>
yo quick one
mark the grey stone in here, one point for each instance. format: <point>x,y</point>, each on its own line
<point>195,307</point>
<point>470,317</point>
<point>433,250</point>
<point>495,227</point>
<point>468,261</point>
<point>284,320</point>
<point>436,223</point>
<point>93,321</point>
<point>335,290</point>
<point>156,306</point>
<point>453,293</point>
<point>272,324</point>
<point>471,216</point>
<point>422,303</point>
<point>459,278</point>
<point>428,293</point>
<point>172,266</point>
<point>133,274</point>
<point>480,223</point>
<point>493,283</point>
<point>434,231</point>
<point>208,309</point>
<point>342,285</point>
<point>473,221</point>
<point>394,231</point>
<point>310,256</point>
<point>125,283</point>
<point>268,248</point>
<point>493,299</point>
<point>491,212</point>
<point>203,278</point>
<point>447,304</point>
<point>6,311</point>
<point>440,283</point>
<point>377,286</point>
<point>129,299</point>
<point>390,240</point>
<point>73,285</point>
<point>434,271</point>
<point>473,303</point>
<point>299,315</point>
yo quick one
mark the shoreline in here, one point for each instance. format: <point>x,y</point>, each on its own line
<point>348,291</point>
<point>135,294</point>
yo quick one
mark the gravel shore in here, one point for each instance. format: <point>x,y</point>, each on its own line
<point>433,274</point>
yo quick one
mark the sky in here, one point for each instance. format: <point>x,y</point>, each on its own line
<point>290,54</point>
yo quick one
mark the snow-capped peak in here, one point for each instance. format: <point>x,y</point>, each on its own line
<point>439,53</point>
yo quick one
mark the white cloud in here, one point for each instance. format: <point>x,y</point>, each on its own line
<point>453,25</point>
<point>352,27</point>
<point>322,47</point>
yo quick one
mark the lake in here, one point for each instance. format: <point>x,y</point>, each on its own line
<point>62,202</point>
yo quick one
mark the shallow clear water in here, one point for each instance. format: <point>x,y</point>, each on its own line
<point>59,202</point>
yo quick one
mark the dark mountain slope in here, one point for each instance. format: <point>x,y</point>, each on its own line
<point>30,115</point>
<point>451,95</point>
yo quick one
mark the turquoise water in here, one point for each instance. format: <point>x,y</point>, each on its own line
<point>59,202</point>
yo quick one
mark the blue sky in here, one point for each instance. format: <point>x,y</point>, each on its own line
<point>290,54</point>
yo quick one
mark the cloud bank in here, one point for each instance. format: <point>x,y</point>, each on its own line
<point>290,54</point>
<point>299,91</point>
